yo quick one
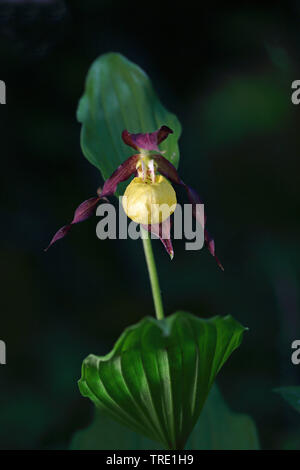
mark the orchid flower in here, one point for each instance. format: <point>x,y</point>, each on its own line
<point>149,189</point>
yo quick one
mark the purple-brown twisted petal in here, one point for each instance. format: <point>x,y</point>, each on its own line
<point>148,141</point>
<point>169,171</point>
<point>122,173</point>
<point>83,212</point>
<point>87,208</point>
<point>210,243</point>
<point>163,232</point>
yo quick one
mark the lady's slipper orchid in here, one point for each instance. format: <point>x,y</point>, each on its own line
<point>149,189</point>
<point>143,200</point>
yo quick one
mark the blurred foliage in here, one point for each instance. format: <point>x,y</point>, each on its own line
<point>209,69</point>
<point>251,106</point>
<point>291,395</point>
<point>218,428</point>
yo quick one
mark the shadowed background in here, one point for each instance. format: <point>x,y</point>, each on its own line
<point>226,73</point>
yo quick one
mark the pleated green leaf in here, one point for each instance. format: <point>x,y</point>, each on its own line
<point>218,428</point>
<point>158,375</point>
<point>119,95</point>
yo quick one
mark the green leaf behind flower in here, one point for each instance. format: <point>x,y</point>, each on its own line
<point>119,95</point>
<point>159,373</point>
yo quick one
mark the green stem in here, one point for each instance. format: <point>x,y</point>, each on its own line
<point>159,310</point>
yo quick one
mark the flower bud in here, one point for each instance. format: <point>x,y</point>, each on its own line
<point>148,203</point>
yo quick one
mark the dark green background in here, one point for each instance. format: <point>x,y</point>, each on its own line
<point>226,72</point>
